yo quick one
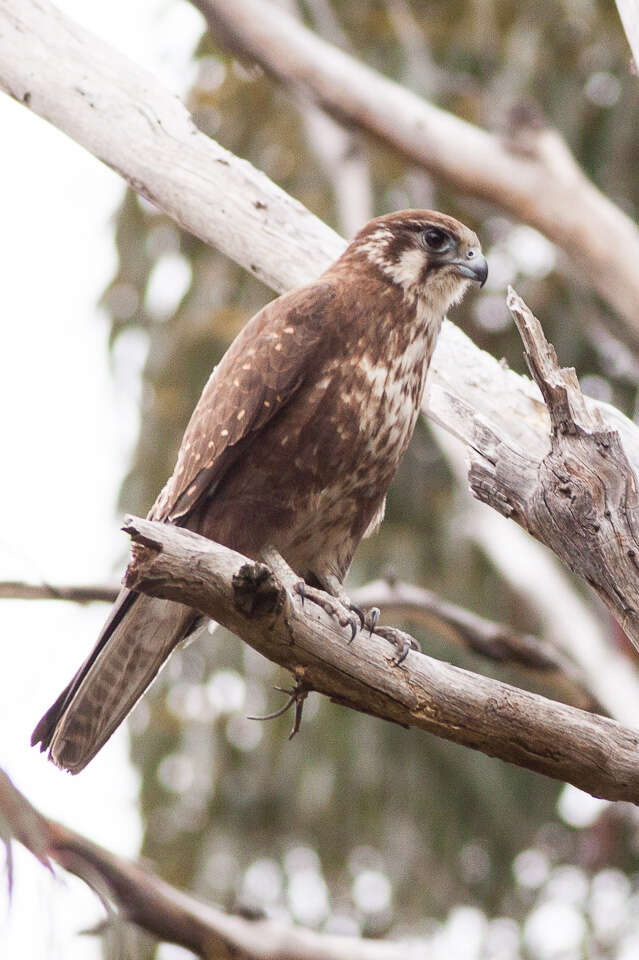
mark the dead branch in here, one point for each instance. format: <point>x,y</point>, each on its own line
<point>533,175</point>
<point>495,641</point>
<point>568,618</point>
<point>20,590</point>
<point>592,752</point>
<point>167,913</point>
<point>580,497</point>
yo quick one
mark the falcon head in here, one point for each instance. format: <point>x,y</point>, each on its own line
<point>429,255</point>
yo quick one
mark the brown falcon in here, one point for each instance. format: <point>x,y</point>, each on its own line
<point>293,444</point>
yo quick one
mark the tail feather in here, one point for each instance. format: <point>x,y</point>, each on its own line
<point>136,640</point>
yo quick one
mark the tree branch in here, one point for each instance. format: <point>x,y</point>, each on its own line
<point>167,913</point>
<point>19,590</point>
<point>533,176</point>
<point>494,641</point>
<point>122,115</point>
<point>593,753</point>
<point>567,617</point>
<point>580,497</point>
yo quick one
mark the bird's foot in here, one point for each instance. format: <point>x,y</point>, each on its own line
<point>346,613</point>
<point>332,594</point>
<point>403,643</point>
<point>296,695</point>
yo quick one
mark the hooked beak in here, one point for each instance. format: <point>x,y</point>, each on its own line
<point>475,269</point>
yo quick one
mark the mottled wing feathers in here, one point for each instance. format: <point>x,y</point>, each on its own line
<point>257,377</point>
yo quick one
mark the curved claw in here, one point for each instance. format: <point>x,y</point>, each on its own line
<point>357,610</point>
<point>403,643</point>
<point>372,619</point>
<point>402,653</point>
<point>346,613</point>
<point>354,628</point>
<point>296,696</point>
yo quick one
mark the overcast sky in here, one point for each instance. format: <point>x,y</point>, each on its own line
<point>64,450</point>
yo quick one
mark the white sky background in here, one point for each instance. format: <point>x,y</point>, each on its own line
<point>64,450</point>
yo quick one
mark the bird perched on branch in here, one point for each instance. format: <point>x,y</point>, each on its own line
<point>293,445</point>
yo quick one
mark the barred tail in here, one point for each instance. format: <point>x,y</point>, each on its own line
<point>136,640</point>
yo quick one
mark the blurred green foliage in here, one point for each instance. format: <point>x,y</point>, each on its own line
<point>227,800</point>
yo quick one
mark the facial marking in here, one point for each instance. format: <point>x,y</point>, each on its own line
<point>400,250</point>
<point>375,247</point>
<point>408,269</point>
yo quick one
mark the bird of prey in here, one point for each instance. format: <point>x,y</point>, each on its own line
<point>292,445</point>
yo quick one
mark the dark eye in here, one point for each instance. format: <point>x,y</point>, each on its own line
<point>436,239</point>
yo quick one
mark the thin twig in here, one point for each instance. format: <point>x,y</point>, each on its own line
<point>494,641</point>
<point>20,590</point>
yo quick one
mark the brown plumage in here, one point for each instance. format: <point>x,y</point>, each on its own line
<point>294,442</point>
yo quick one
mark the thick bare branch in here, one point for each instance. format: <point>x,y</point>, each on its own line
<point>534,176</point>
<point>167,913</point>
<point>591,752</point>
<point>227,202</point>
<point>580,498</point>
<point>568,618</point>
<point>19,590</point>
<point>122,115</point>
<point>495,641</point>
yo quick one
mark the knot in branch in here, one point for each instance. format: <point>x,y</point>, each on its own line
<point>256,591</point>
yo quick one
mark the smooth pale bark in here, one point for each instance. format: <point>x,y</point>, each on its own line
<point>120,113</point>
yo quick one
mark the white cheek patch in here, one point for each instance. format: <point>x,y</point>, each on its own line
<point>408,269</point>
<point>440,291</point>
